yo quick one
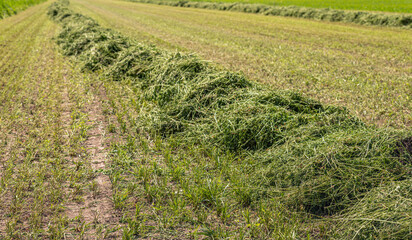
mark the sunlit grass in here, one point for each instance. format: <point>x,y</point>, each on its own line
<point>10,7</point>
<point>365,69</point>
<point>45,167</point>
<point>403,6</point>
<point>206,152</point>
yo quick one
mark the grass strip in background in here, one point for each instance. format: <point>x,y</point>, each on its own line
<point>11,7</point>
<point>324,14</point>
<point>402,6</point>
<point>275,146</point>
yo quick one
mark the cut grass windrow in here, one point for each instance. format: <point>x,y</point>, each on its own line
<point>249,147</point>
<point>404,6</point>
<point>325,14</point>
<point>334,63</point>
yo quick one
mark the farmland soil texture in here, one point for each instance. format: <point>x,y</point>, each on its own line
<point>274,154</point>
<point>51,135</point>
<point>104,135</point>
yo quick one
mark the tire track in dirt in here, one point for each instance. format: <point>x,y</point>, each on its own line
<point>97,210</point>
<point>101,205</point>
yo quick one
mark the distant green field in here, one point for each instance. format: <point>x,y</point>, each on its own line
<point>11,7</point>
<point>404,6</point>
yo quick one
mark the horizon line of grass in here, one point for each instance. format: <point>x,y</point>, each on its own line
<point>321,14</point>
<point>400,6</point>
<point>12,7</point>
<point>310,157</point>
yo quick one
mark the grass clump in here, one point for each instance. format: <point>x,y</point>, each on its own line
<point>327,174</point>
<point>384,213</point>
<point>323,14</point>
<point>132,62</point>
<point>311,157</point>
<point>81,36</point>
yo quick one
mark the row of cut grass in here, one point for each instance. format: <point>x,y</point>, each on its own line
<point>338,64</point>
<point>402,6</point>
<point>274,145</point>
<point>324,14</point>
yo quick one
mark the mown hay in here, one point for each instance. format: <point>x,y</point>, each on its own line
<point>310,156</point>
<point>384,213</point>
<point>329,173</point>
<point>104,53</point>
<point>132,62</point>
<point>324,14</point>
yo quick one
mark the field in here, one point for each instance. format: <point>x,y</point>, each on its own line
<point>402,6</point>
<point>47,122</point>
<point>10,7</point>
<point>320,14</point>
<point>111,128</point>
<point>334,63</point>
